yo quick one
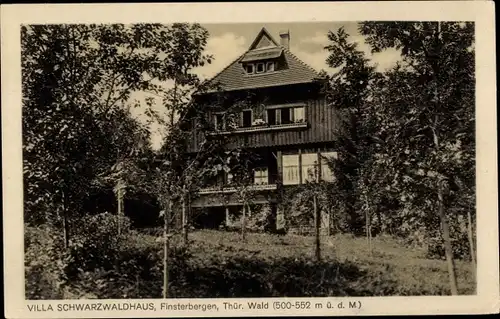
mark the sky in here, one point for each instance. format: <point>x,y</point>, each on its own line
<point>307,41</point>
<point>227,42</point>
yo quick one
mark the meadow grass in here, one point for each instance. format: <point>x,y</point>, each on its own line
<point>221,264</point>
<point>408,267</point>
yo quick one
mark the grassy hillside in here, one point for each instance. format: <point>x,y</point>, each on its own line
<point>220,264</point>
<point>406,268</point>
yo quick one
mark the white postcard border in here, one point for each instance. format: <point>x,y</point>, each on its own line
<point>481,12</point>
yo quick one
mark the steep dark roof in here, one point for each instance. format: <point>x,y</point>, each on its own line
<point>234,77</point>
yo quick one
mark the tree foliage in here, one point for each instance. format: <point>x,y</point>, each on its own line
<point>409,136</point>
<point>426,113</point>
<point>350,92</point>
<point>78,129</point>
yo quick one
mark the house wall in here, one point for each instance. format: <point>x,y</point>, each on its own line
<point>322,120</point>
<point>277,168</point>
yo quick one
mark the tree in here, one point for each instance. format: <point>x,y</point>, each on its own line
<point>427,116</point>
<point>77,80</point>
<point>239,164</point>
<point>317,189</point>
<point>186,53</point>
<point>350,91</point>
<point>162,187</point>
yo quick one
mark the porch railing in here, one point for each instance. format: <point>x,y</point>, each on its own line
<point>230,189</point>
<point>262,128</point>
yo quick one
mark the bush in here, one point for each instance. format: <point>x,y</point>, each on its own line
<point>45,261</point>
<point>95,243</point>
<point>459,241</point>
<point>136,270</point>
<point>261,218</point>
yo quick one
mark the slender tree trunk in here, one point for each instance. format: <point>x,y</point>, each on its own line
<point>368,232</point>
<point>472,251</point>
<point>446,231</point>
<point>166,249</point>
<point>317,228</point>
<point>369,237</point>
<point>65,230</point>
<point>65,221</point>
<point>380,221</point>
<point>447,242</point>
<point>366,228</point>
<point>370,242</point>
<point>329,224</point>
<point>184,220</point>
<point>174,104</point>
<point>368,225</point>
<point>119,196</point>
<point>243,221</point>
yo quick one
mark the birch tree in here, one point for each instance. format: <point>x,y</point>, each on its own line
<point>427,114</point>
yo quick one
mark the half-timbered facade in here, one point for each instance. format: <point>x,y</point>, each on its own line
<point>285,121</point>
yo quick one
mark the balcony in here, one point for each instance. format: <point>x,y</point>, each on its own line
<point>229,189</point>
<point>262,128</point>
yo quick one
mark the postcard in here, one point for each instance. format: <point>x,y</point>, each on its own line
<point>249,159</point>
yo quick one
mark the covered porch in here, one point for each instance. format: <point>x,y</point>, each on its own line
<point>225,211</point>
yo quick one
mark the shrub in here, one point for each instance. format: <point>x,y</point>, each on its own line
<point>45,261</point>
<point>261,219</point>
<point>95,243</point>
<point>459,244</point>
<point>136,271</point>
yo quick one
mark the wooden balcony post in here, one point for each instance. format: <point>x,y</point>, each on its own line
<point>300,166</point>
<point>279,159</point>
<point>319,165</point>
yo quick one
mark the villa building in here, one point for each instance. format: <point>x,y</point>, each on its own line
<point>286,122</point>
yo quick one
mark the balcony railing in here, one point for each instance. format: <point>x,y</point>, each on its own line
<point>230,189</point>
<point>262,128</point>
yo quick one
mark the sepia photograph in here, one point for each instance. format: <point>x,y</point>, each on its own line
<point>298,164</point>
<point>248,160</point>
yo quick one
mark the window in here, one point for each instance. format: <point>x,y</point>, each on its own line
<point>290,169</point>
<point>299,114</point>
<point>249,68</point>
<point>260,68</point>
<point>247,118</point>
<point>271,117</point>
<point>309,167</point>
<point>261,176</point>
<point>326,172</point>
<point>219,122</point>
<point>286,115</point>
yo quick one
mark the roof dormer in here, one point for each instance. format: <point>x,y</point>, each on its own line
<point>263,61</point>
<point>265,55</point>
<point>266,63</point>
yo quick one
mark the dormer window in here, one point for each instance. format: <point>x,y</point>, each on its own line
<point>250,68</point>
<point>261,68</point>
<point>270,66</point>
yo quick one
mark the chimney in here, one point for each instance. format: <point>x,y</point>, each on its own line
<point>285,39</point>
